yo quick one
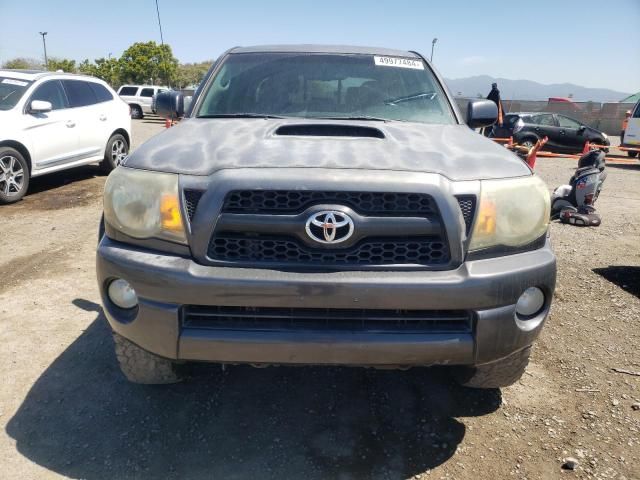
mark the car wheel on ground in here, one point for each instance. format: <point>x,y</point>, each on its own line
<point>136,112</point>
<point>116,151</point>
<point>528,142</point>
<point>140,366</point>
<point>632,154</point>
<point>14,175</point>
<point>598,143</point>
<point>501,373</point>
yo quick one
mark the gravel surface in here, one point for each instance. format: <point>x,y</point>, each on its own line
<point>66,410</point>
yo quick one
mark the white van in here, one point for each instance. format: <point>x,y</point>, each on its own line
<point>632,133</point>
<point>54,121</point>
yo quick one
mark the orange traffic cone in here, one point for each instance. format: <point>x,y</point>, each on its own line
<point>167,123</point>
<point>586,148</point>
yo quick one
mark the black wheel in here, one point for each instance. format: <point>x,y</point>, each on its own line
<point>500,373</point>
<point>632,154</point>
<point>116,151</point>
<point>136,112</point>
<point>14,175</point>
<point>140,366</point>
<point>599,145</point>
<point>528,143</point>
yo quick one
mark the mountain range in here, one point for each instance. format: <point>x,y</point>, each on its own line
<point>527,90</point>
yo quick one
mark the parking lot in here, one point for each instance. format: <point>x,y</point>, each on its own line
<point>67,411</point>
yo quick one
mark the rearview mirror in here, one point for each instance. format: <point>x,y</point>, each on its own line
<point>40,106</point>
<point>581,128</point>
<point>170,105</point>
<point>481,113</point>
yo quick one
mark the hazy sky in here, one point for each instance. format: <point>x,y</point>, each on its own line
<point>546,41</point>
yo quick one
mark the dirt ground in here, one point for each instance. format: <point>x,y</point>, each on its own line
<point>66,411</point>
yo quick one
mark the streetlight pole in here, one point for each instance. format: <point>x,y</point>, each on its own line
<point>433,44</point>
<point>44,44</point>
<point>162,45</point>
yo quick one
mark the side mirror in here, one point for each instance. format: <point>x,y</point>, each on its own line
<point>581,129</point>
<point>170,105</point>
<point>187,102</point>
<point>40,106</point>
<point>481,113</point>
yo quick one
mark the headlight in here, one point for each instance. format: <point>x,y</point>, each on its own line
<point>144,204</point>
<point>511,213</point>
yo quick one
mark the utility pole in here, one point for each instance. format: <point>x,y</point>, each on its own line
<point>162,45</point>
<point>44,44</point>
<point>433,44</point>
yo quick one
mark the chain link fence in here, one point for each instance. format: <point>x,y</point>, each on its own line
<point>606,117</point>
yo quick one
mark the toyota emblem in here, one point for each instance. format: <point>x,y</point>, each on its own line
<point>329,227</point>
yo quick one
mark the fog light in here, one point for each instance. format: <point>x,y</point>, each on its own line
<point>122,294</point>
<point>530,302</point>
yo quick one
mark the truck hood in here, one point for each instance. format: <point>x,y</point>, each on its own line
<point>200,146</point>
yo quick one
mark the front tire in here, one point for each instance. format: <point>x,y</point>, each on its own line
<point>136,112</point>
<point>115,153</point>
<point>14,175</point>
<point>529,143</point>
<point>140,366</point>
<point>501,373</point>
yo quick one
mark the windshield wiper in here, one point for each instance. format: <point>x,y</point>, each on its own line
<point>360,117</point>
<point>408,98</point>
<point>240,115</point>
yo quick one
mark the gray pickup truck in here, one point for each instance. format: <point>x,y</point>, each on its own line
<point>325,205</point>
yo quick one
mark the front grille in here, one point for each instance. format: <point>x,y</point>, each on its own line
<point>191,200</point>
<point>393,251</point>
<point>467,205</point>
<point>326,319</point>
<point>288,202</point>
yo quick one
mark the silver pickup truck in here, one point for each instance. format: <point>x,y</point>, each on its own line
<point>325,205</point>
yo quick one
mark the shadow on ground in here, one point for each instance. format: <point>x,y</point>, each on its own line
<point>625,277</point>
<point>64,189</point>
<point>624,166</point>
<point>64,177</point>
<point>83,420</point>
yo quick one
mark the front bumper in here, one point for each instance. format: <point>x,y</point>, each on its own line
<point>165,283</point>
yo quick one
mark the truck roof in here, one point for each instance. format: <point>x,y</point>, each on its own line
<point>339,49</point>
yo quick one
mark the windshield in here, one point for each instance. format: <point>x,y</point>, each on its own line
<point>326,86</point>
<point>11,91</point>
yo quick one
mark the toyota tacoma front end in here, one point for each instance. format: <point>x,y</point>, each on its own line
<point>326,205</point>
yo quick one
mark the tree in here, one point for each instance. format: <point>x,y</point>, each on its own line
<point>23,63</point>
<point>55,64</point>
<point>107,69</point>
<point>191,73</point>
<point>148,62</point>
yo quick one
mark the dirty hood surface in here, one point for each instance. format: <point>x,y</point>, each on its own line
<point>203,146</point>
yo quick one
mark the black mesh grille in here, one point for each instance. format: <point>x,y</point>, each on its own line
<point>468,206</point>
<point>326,319</point>
<point>295,201</point>
<point>191,199</point>
<point>392,251</point>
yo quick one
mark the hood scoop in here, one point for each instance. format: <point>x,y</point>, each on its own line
<point>328,130</point>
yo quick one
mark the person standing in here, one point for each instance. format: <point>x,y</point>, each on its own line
<point>625,122</point>
<point>494,96</point>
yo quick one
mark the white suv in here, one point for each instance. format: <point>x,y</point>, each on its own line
<point>54,121</point>
<point>139,97</point>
